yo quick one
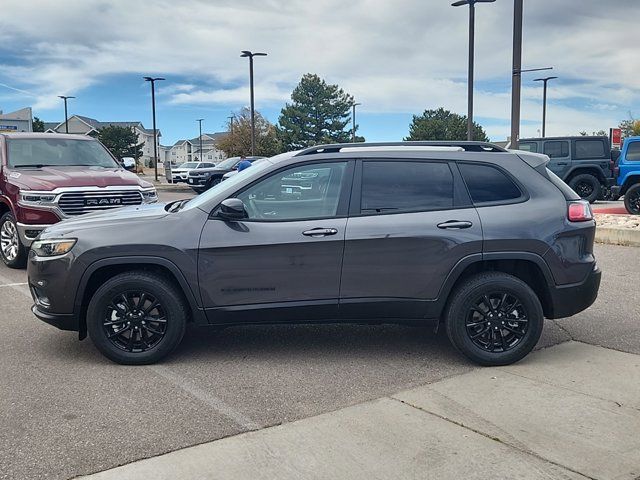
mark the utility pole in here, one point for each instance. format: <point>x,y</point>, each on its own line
<point>199,120</point>
<point>353,122</point>
<point>153,81</point>
<point>66,116</point>
<point>516,77</point>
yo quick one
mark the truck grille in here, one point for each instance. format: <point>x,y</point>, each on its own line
<point>77,203</point>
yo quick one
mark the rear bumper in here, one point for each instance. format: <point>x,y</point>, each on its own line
<point>616,189</point>
<point>567,300</point>
<point>63,321</point>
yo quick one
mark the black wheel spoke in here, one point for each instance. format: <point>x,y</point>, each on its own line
<point>487,302</point>
<point>501,302</point>
<point>475,324</point>
<point>118,332</point>
<point>504,342</point>
<point>152,330</point>
<point>479,334</point>
<point>151,307</point>
<point>141,299</point>
<point>153,319</point>
<point>517,333</point>
<point>114,322</point>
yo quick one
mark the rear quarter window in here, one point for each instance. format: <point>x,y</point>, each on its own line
<point>633,152</point>
<point>590,149</point>
<point>556,148</point>
<point>528,147</point>
<point>488,184</point>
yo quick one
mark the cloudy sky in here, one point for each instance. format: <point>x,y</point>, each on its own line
<point>397,57</point>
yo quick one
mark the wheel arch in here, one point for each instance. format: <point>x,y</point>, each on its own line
<point>528,267</point>
<point>629,181</point>
<point>98,272</point>
<point>589,170</point>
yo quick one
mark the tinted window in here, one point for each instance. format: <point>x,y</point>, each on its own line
<point>405,186</point>
<point>488,184</point>
<point>528,147</point>
<point>633,152</point>
<point>589,149</point>
<point>309,191</point>
<point>559,148</point>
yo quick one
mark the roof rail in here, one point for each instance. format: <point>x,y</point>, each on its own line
<point>464,145</point>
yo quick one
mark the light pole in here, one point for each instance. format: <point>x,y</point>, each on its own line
<point>153,81</point>
<point>199,120</point>
<point>544,100</point>
<point>247,53</point>
<point>66,117</point>
<point>231,133</point>
<point>472,16</point>
<point>353,121</point>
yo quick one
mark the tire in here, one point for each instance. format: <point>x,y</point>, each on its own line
<point>118,303</point>
<point>632,199</point>
<point>212,182</point>
<point>13,253</point>
<point>498,344</point>
<point>587,186</point>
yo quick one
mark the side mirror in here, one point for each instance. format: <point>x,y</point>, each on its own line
<point>232,209</point>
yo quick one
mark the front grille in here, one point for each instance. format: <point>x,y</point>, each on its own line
<point>77,203</point>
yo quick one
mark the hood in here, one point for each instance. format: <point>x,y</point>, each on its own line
<point>50,178</point>
<point>118,217</point>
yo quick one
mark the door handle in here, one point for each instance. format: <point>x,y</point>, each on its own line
<point>562,163</point>
<point>320,232</point>
<point>455,224</point>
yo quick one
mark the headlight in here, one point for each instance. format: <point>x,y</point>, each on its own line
<point>36,198</point>
<point>53,247</point>
<point>149,196</point>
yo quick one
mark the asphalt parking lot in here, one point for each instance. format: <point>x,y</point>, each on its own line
<point>66,411</point>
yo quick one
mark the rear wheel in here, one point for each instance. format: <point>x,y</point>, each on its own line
<point>587,186</point>
<point>632,200</point>
<point>494,319</point>
<point>13,253</point>
<point>136,318</point>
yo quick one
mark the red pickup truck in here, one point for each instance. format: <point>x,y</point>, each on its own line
<point>48,177</point>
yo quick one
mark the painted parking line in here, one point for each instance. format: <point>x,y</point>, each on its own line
<point>17,286</point>
<point>211,400</point>
<point>14,284</point>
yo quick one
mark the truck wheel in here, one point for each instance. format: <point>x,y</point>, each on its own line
<point>13,253</point>
<point>137,318</point>
<point>587,186</point>
<point>494,319</point>
<point>632,200</point>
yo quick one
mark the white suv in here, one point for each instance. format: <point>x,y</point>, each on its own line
<point>180,173</point>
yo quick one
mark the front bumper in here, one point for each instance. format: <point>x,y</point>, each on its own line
<point>567,300</point>
<point>63,321</point>
<point>616,189</point>
<point>28,233</point>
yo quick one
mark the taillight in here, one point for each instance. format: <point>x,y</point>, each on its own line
<point>579,212</point>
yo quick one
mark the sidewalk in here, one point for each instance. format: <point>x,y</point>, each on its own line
<point>571,411</point>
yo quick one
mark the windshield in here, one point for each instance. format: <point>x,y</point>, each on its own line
<point>37,152</point>
<point>228,163</point>
<point>188,165</point>
<point>203,198</point>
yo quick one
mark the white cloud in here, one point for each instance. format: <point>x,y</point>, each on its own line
<point>401,56</point>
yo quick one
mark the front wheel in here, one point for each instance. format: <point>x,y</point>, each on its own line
<point>494,319</point>
<point>136,318</point>
<point>632,200</point>
<point>587,186</point>
<point>13,253</point>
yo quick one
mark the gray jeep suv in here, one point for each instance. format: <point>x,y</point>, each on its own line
<point>487,242</point>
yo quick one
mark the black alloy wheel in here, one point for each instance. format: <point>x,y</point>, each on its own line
<point>135,321</point>
<point>497,322</point>
<point>632,200</point>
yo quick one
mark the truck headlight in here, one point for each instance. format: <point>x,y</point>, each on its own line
<point>36,198</point>
<point>53,247</point>
<point>149,195</point>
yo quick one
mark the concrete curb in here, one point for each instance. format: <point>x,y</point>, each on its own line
<point>618,236</point>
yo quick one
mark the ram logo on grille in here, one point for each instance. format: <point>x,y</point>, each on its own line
<point>77,203</point>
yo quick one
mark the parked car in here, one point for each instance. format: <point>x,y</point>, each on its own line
<point>203,179</point>
<point>232,173</point>
<point>485,242</point>
<point>181,172</point>
<point>47,177</point>
<point>128,163</point>
<point>584,162</point>
<point>627,172</point>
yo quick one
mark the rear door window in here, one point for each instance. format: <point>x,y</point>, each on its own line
<point>590,149</point>
<point>487,184</point>
<point>405,186</point>
<point>556,148</point>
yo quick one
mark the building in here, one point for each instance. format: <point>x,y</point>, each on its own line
<point>189,150</point>
<point>18,121</point>
<point>81,125</point>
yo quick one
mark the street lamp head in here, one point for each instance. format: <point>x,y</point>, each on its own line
<point>152,79</point>
<point>543,79</point>
<point>247,53</point>
<point>459,3</point>
<point>64,97</point>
